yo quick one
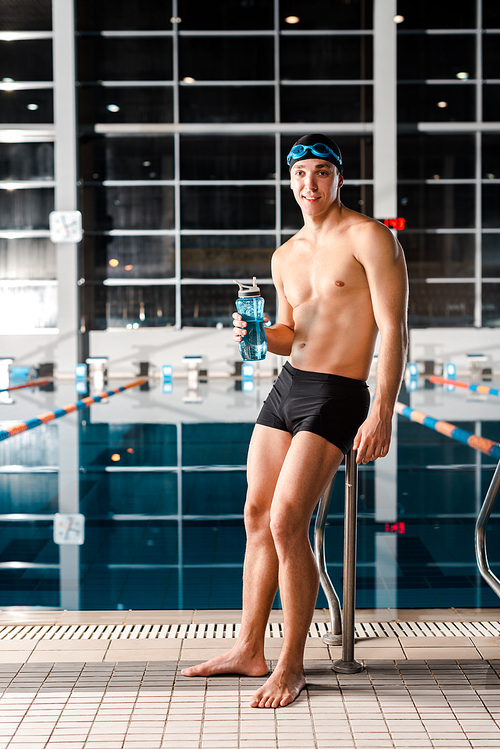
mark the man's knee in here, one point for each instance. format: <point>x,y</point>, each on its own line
<point>256,516</point>
<point>286,528</point>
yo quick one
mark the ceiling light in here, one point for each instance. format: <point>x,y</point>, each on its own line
<point>188,79</point>
<point>399,19</point>
<point>114,262</point>
<point>442,104</point>
<point>32,107</point>
<point>292,19</point>
<point>113,108</point>
<point>463,76</point>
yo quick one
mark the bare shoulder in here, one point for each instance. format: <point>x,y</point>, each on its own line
<point>371,239</point>
<point>283,251</point>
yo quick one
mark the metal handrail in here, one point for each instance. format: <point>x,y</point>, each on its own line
<point>480,532</point>
<point>341,630</point>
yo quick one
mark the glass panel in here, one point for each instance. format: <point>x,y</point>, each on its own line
<point>208,306</point>
<point>491,55</point>
<point>133,492</point>
<point>128,257</point>
<point>318,103</point>
<point>31,107</point>
<point>442,305</point>
<point>27,258</point>
<point>27,16</point>
<point>357,154</point>
<point>130,306</point>
<point>439,255</point>
<point>116,15</point>
<point>491,201</point>
<point>214,444</point>
<point>227,157</point>
<point>421,103</point>
<point>357,197</point>
<point>323,57</point>
<point>226,14</point>
<point>427,56</point>
<point>227,207</point>
<point>491,97</point>
<point>227,257</point>
<point>436,205</point>
<point>491,305</point>
<point>225,489</point>
<point>25,161</point>
<point>491,256</point>
<point>27,59</point>
<point>446,14</point>
<point>226,103</point>
<point>107,208</point>
<point>491,15</point>
<point>26,308</point>
<point>131,104</point>
<point>144,157</point>
<point>426,156</point>
<point>316,14</point>
<point>226,58</point>
<point>124,58</point>
<point>491,156</point>
<point>26,209</point>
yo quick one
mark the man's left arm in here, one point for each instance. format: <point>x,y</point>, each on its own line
<point>385,268</point>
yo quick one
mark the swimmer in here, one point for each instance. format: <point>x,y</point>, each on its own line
<point>341,281</point>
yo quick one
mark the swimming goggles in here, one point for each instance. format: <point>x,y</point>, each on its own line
<point>318,149</point>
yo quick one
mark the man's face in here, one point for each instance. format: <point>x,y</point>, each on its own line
<point>315,184</point>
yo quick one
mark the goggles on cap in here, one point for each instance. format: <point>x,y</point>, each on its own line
<point>318,149</point>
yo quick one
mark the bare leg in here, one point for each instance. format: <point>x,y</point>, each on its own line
<point>268,449</point>
<point>309,465</point>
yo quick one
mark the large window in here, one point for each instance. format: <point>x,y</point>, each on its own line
<point>448,160</point>
<point>183,140</point>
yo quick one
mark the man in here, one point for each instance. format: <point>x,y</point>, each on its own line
<point>340,280</point>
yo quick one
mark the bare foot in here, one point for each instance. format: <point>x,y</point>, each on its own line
<point>282,688</point>
<point>232,662</point>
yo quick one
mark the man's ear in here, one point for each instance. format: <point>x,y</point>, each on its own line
<point>341,180</point>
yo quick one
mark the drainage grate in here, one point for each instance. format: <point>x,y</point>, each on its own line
<point>228,631</point>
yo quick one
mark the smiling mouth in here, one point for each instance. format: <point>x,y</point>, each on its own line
<point>311,198</point>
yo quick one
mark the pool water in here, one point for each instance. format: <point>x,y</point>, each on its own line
<point>158,475</point>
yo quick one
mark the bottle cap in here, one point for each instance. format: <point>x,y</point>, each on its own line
<point>247,290</point>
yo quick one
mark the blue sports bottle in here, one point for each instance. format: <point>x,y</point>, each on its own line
<point>250,305</point>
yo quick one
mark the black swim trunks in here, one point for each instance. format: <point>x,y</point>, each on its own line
<point>329,405</point>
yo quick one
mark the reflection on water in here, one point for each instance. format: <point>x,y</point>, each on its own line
<point>161,484</point>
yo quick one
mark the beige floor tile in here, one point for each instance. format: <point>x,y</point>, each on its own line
<point>171,646</point>
<point>164,616</point>
<point>435,642</point>
<point>70,656</point>
<point>489,653</point>
<point>376,642</point>
<point>15,656</point>
<point>92,617</point>
<point>422,615</point>
<point>380,654</point>
<point>445,653</point>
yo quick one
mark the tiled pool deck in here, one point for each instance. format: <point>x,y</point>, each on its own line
<point>124,693</point>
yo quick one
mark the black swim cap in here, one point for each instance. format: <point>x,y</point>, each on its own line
<point>331,152</point>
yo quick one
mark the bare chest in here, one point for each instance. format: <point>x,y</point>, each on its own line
<point>316,275</point>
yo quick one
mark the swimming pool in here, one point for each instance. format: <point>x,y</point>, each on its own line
<point>158,475</point>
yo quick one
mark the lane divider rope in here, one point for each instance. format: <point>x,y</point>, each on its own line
<point>483,389</point>
<point>29,384</point>
<point>484,445</point>
<point>44,418</point>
